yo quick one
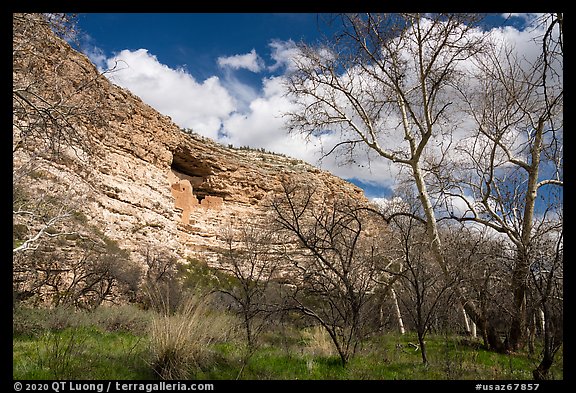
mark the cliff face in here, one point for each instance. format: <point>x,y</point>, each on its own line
<point>146,183</point>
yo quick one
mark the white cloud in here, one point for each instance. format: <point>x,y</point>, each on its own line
<point>96,56</point>
<point>283,54</point>
<point>249,61</point>
<point>391,205</point>
<point>94,53</point>
<point>529,18</point>
<point>201,106</point>
<point>263,126</point>
<point>250,116</point>
<point>242,93</point>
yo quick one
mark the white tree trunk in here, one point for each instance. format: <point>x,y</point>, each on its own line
<point>470,325</point>
<point>466,323</point>
<point>398,313</point>
<point>472,329</point>
<point>541,319</point>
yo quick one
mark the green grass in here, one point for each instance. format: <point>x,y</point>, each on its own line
<point>380,359</point>
<point>80,353</point>
<point>120,348</point>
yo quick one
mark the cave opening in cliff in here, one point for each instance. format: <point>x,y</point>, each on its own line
<point>184,162</point>
<point>196,170</point>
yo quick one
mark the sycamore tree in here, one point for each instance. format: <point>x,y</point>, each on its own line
<point>511,172</point>
<point>430,94</point>
<point>386,84</point>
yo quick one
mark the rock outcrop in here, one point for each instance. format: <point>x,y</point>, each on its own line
<point>147,184</point>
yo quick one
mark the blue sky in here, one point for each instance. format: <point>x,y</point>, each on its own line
<point>221,75</point>
<point>196,40</point>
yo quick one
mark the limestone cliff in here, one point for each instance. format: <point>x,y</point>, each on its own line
<point>147,183</point>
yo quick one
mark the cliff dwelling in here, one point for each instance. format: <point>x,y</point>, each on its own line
<point>185,200</point>
<point>189,186</point>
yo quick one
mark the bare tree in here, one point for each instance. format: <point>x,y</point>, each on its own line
<point>386,86</point>
<point>82,269</point>
<point>516,154</point>
<point>40,221</point>
<point>47,117</point>
<point>103,272</point>
<point>251,259</point>
<point>50,109</point>
<point>46,229</point>
<point>162,286</point>
<point>335,264</point>
<point>482,261</point>
<point>56,118</point>
<point>547,277</point>
<point>425,289</point>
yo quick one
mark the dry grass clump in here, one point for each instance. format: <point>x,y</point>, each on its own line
<point>318,342</point>
<point>180,342</point>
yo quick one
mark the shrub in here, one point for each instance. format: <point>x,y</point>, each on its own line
<point>26,322</point>
<point>127,318</point>
<point>34,321</point>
